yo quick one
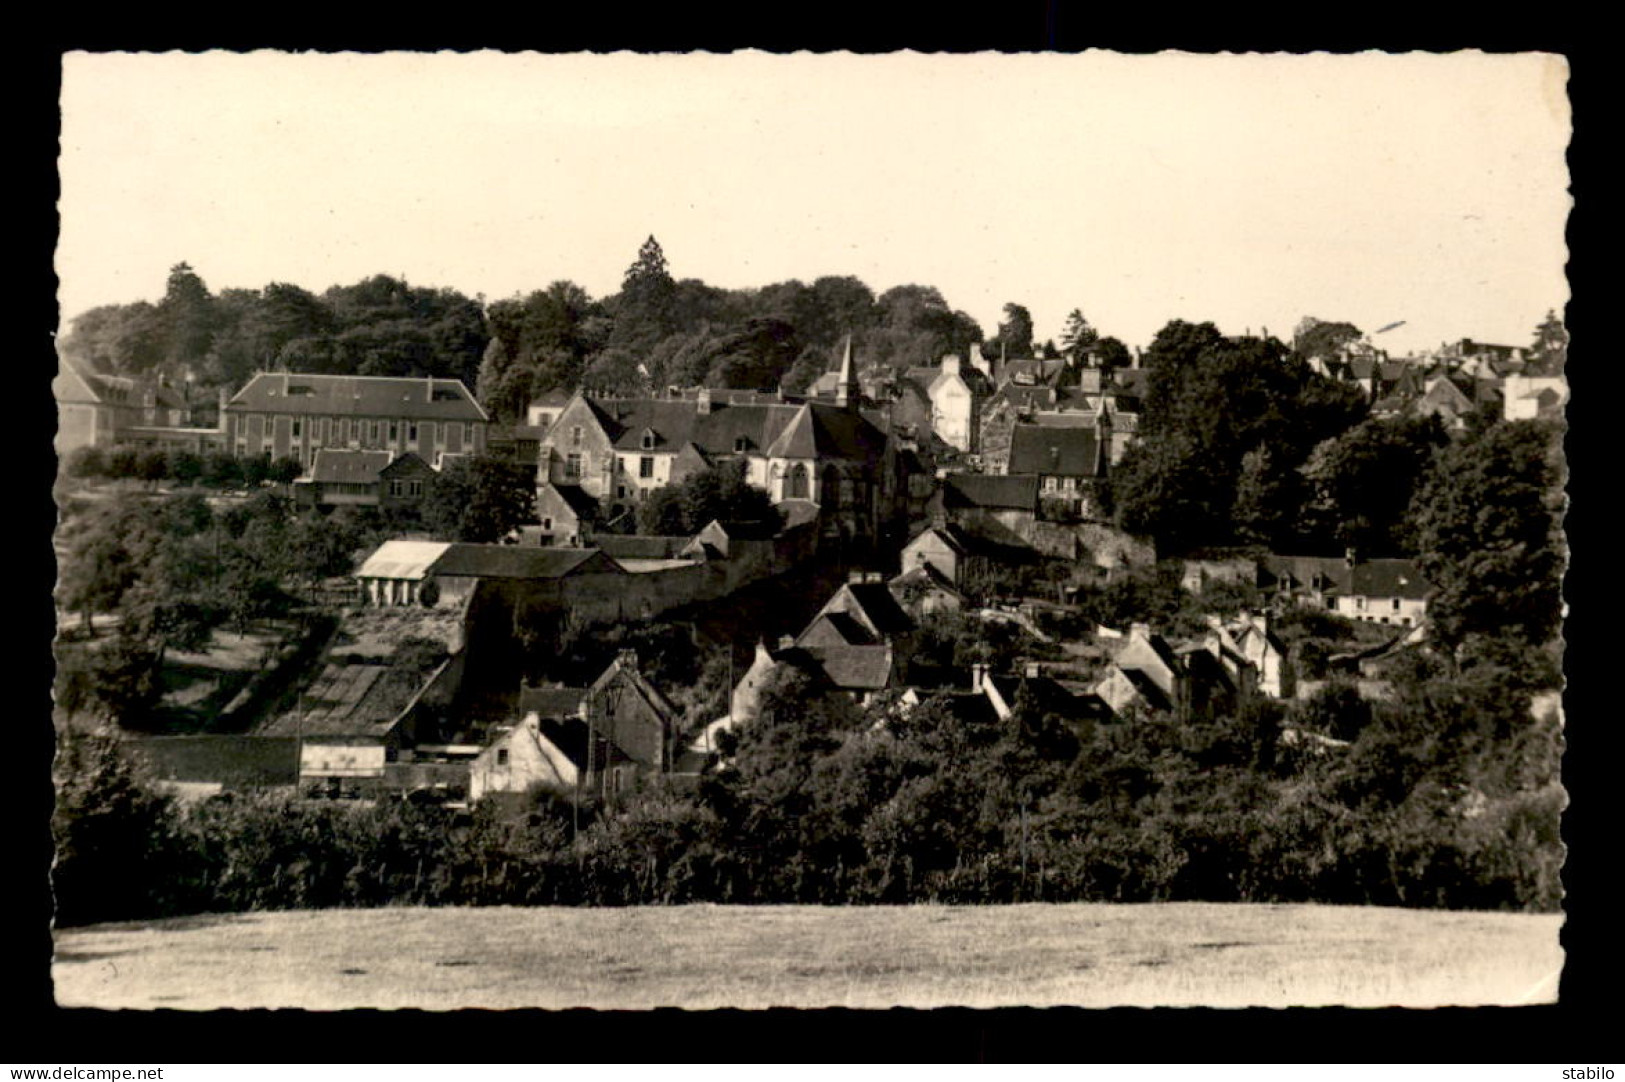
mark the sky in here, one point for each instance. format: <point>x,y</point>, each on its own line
<point>1249,191</point>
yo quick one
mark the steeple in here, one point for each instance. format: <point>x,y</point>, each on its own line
<point>848,393</point>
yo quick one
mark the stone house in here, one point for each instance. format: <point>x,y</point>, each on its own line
<point>1067,461</point>
<point>599,737</point>
<point>834,455</point>
<point>1002,510</point>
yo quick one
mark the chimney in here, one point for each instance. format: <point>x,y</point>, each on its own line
<point>1351,556</point>
<point>855,577</point>
<point>786,641</point>
<point>702,402</point>
<point>1136,363</point>
<point>1140,631</point>
<point>950,364</point>
<point>1031,670</point>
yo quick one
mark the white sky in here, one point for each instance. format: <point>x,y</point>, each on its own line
<point>1248,191</point>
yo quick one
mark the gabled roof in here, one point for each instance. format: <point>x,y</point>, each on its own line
<point>521,562</point>
<point>922,577</point>
<point>1329,574</point>
<point>368,396</point>
<point>952,536</point>
<point>333,466</point>
<point>1056,451</point>
<point>578,499</point>
<point>878,607</point>
<point>991,492</point>
<point>852,668</point>
<point>778,429</point>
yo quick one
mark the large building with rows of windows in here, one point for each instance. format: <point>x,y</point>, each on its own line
<point>295,415</point>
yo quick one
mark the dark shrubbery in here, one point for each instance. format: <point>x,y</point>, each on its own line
<point>1446,797</point>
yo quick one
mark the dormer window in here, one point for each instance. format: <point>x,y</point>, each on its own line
<point>648,440</point>
<point>739,445</point>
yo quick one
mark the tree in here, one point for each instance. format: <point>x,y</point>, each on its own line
<point>1551,344</point>
<point>1361,482</point>
<point>616,372</point>
<point>112,831</point>
<point>1077,336</point>
<point>1015,335</point>
<point>480,499</point>
<point>1488,532</point>
<point>186,316</point>
<point>1266,498</point>
<point>1320,338</point>
<point>645,310</point>
<point>1211,400</point>
<point>719,494</point>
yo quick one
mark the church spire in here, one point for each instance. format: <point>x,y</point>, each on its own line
<point>848,393</point>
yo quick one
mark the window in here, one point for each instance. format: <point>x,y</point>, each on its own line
<point>646,466</point>
<point>372,433</point>
<point>1049,484</point>
<point>414,488</point>
<point>412,432</point>
<point>396,488</point>
<point>1396,604</point>
<point>547,523</point>
<point>394,431</point>
<point>298,428</point>
<point>468,433</point>
<point>502,757</point>
<point>739,445</point>
<point>575,436</point>
<point>648,441</point>
<point>795,488</point>
<point>572,466</point>
<point>620,492</point>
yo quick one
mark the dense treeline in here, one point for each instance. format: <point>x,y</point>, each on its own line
<point>378,327</point>
<point>657,331</point>
<point>1447,796</point>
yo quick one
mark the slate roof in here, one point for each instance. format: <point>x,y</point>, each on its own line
<point>570,736</point>
<point>340,467</point>
<point>808,430</point>
<point>1388,578</point>
<point>881,607</point>
<point>852,668</point>
<point>578,499</point>
<point>1057,451</point>
<point>835,628</point>
<point>550,702</point>
<point>1025,398</point>
<point>1327,573</point>
<point>991,492</point>
<point>365,396</point>
<point>520,562</point>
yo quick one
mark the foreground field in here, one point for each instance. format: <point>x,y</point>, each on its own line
<point>804,956</point>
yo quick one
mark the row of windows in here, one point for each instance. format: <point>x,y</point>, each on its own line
<point>342,429</point>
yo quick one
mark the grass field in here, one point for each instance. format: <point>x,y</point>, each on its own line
<point>806,956</point>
